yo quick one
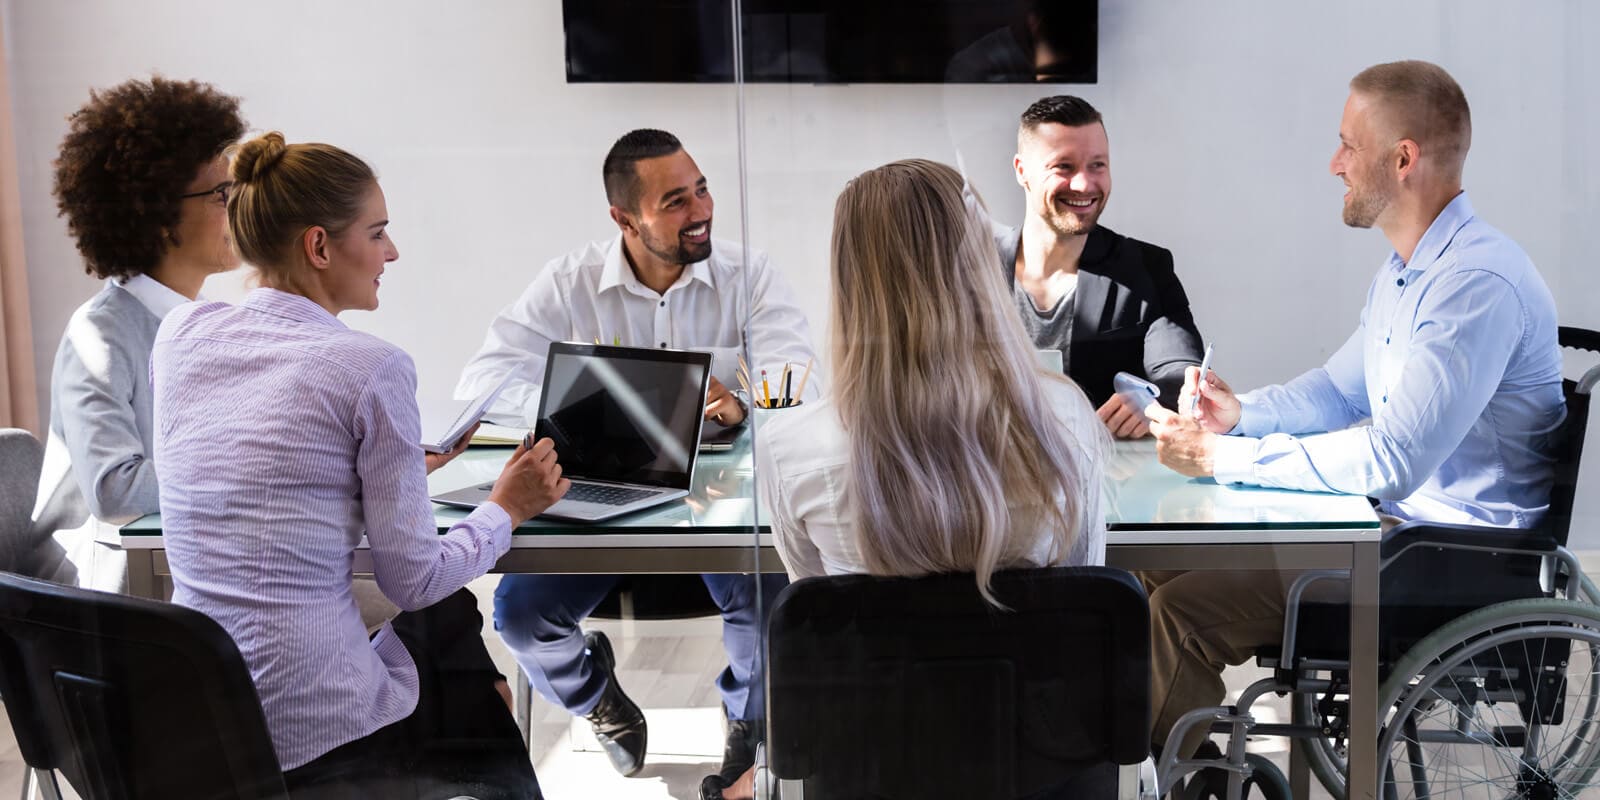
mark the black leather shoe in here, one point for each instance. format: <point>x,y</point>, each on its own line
<point>739,752</point>
<point>619,725</point>
<point>738,756</point>
<point>711,787</point>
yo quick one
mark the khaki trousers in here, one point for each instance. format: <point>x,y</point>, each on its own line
<point>1204,621</point>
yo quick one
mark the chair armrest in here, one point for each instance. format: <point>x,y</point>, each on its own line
<point>1291,615</point>
<point>1465,537</point>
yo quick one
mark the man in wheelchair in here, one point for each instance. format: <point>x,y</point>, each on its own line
<point>1445,405</point>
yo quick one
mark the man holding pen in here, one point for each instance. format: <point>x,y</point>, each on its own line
<point>1455,362</point>
<point>661,282</point>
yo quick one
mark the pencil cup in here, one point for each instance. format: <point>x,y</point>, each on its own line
<point>760,415</point>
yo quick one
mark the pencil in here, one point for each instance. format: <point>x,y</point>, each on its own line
<point>745,368</point>
<point>801,389</point>
<point>784,402</point>
<point>743,381</point>
<point>766,390</point>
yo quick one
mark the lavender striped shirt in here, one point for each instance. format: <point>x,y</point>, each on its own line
<point>281,437</point>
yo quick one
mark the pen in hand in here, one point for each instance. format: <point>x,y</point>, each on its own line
<point>1205,366</point>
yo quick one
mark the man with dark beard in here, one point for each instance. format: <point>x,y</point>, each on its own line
<point>662,282</point>
<point>1109,303</point>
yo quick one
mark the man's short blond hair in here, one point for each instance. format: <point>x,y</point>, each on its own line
<point>1420,101</point>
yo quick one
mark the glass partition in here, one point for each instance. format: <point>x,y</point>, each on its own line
<point>1232,240</point>
<point>881,239</point>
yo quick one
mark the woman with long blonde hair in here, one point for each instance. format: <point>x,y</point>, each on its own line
<point>945,447</point>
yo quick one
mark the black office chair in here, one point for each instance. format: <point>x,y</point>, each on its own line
<point>130,698</point>
<point>918,688</point>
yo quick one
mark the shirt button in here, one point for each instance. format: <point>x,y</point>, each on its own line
<point>663,304</point>
<point>1386,398</point>
<point>1385,340</point>
<point>1400,281</point>
<point>663,344</point>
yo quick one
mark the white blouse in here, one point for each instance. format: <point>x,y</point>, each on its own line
<point>803,464</point>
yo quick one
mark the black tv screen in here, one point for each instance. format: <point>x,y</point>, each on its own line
<point>833,41</point>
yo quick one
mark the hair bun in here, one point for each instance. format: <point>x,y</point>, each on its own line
<point>258,156</point>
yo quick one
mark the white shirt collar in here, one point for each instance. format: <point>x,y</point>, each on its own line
<point>153,294</point>
<point>617,272</point>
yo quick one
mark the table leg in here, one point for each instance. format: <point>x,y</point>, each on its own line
<point>142,574</point>
<point>1364,712</point>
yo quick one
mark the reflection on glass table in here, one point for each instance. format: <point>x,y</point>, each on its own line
<point>1144,495</point>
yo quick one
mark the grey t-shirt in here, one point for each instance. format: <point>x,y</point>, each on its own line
<point>1049,329</point>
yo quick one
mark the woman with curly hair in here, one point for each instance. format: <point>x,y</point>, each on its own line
<point>143,184</point>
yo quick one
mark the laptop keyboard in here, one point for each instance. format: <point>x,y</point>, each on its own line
<point>599,494</point>
<point>605,495</point>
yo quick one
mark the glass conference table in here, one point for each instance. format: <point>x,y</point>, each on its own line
<point>1157,520</point>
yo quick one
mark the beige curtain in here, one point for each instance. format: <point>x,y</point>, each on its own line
<point>19,404</point>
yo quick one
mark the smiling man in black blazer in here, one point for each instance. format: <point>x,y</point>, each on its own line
<point>1109,303</point>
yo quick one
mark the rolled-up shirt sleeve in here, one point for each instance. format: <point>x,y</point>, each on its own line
<point>414,565</point>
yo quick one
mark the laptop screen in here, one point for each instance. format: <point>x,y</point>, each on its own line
<point>624,414</point>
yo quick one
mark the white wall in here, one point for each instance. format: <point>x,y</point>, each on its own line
<point>1222,118</point>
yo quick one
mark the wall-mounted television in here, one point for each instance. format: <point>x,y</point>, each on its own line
<point>833,41</point>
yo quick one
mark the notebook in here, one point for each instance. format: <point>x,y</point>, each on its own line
<point>626,424</point>
<point>443,442</point>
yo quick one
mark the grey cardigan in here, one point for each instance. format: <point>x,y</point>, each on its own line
<point>101,416</point>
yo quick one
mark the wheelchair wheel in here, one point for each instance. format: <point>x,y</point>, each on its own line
<point>1499,703</point>
<point>1266,782</point>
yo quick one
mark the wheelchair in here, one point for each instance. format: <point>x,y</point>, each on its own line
<point>1489,662</point>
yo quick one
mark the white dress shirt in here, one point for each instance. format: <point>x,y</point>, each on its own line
<point>803,469</point>
<point>592,294</point>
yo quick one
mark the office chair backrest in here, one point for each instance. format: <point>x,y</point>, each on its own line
<point>130,698</point>
<point>916,687</point>
<point>23,457</point>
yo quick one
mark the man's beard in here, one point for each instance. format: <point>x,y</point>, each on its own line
<point>678,251</point>
<point>1366,204</point>
<point>1069,224</point>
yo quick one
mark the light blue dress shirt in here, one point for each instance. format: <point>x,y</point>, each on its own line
<point>1457,365</point>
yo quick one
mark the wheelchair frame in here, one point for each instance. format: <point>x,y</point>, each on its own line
<point>1570,607</point>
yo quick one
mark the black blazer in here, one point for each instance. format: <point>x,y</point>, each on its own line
<point>1130,314</point>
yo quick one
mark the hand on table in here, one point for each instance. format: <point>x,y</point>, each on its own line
<point>1181,444</point>
<point>722,406</point>
<point>1122,420</point>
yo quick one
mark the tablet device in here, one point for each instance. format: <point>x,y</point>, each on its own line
<point>1136,392</point>
<point>469,416</point>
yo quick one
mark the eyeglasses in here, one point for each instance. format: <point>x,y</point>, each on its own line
<point>219,193</point>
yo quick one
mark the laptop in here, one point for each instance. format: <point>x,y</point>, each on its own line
<point>626,424</point>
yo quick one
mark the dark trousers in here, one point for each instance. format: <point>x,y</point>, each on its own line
<point>461,739</point>
<point>538,618</point>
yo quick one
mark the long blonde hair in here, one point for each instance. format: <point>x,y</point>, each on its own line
<point>957,457</point>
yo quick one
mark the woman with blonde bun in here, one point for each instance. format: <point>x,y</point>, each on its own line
<point>283,438</point>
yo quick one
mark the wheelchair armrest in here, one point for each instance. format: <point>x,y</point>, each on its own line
<point>1291,615</point>
<point>1465,537</point>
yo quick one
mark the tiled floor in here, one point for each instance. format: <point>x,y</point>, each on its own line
<point>668,667</point>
